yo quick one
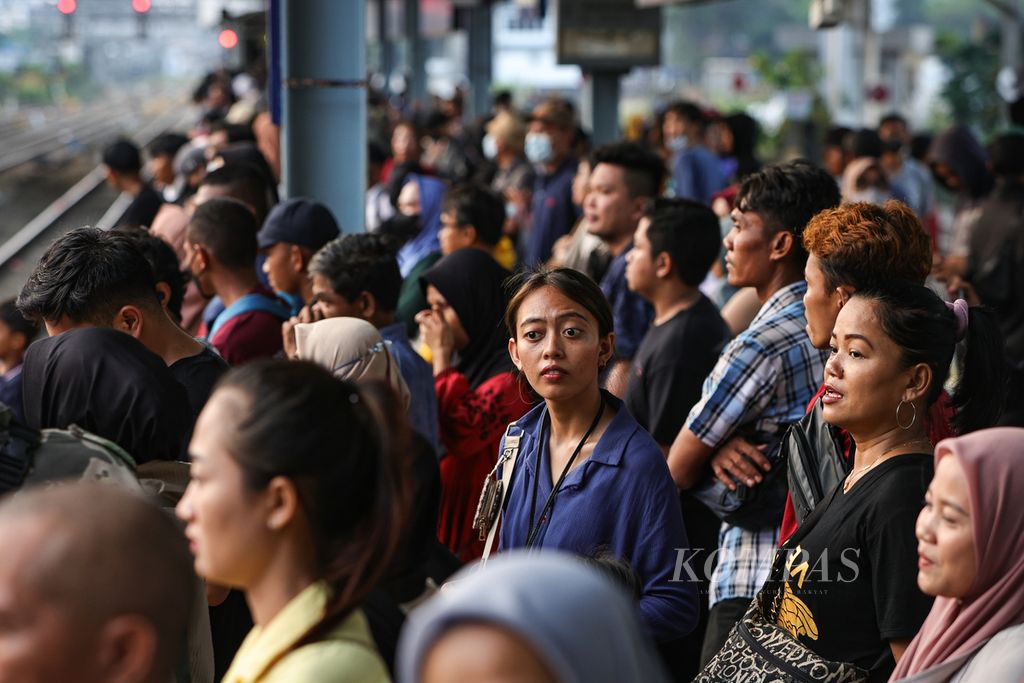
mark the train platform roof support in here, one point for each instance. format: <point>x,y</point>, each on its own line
<point>323,136</point>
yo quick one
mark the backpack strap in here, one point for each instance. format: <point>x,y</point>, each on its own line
<point>17,449</point>
<point>494,497</point>
<point>109,446</point>
<point>253,301</point>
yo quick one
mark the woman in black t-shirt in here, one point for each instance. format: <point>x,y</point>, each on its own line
<point>849,575</point>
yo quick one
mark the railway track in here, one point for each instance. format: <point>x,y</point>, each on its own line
<point>88,201</point>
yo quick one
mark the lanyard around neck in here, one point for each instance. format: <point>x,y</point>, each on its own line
<point>537,522</point>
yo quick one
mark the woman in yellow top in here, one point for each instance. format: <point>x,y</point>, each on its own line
<point>295,498</point>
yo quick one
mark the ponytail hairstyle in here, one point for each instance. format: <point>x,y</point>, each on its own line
<point>927,331</point>
<point>328,438</point>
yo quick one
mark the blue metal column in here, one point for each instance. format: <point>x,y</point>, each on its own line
<point>603,115</point>
<point>415,53</point>
<point>387,57</point>
<point>323,139</point>
<point>478,25</point>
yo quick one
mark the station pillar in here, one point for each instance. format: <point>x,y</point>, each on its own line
<point>600,105</point>
<point>478,26</point>
<point>416,53</point>
<point>323,139</point>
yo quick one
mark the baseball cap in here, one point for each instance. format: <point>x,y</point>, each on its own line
<point>300,221</point>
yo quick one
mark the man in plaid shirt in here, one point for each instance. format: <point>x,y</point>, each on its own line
<point>765,376</point>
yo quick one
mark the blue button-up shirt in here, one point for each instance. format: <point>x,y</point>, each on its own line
<point>631,313</point>
<point>420,380</point>
<point>622,499</point>
<point>697,174</point>
<point>553,213</point>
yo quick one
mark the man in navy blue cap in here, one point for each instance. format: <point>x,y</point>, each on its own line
<point>294,230</point>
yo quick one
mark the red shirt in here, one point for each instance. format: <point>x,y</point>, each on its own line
<point>936,424</point>
<point>472,424</point>
<point>249,336</point>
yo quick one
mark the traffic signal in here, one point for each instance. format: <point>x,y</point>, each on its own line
<point>67,8</point>
<point>227,39</point>
<point>141,8</point>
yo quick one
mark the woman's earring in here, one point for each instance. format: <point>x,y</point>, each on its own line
<point>913,417</point>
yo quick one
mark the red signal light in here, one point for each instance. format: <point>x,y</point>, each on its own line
<point>67,6</point>
<point>141,6</point>
<point>227,39</point>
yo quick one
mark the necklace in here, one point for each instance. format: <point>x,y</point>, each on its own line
<point>851,478</point>
<point>536,524</point>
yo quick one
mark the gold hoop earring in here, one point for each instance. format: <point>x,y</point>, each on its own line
<point>913,418</point>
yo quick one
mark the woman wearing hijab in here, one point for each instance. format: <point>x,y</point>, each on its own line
<point>352,349</point>
<point>536,618</point>
<point>418,202</point>
<point>108,383</point>
<point>420,196</point>
<point>972,561</point>
<point>477,394</point>
<point>959,163</point>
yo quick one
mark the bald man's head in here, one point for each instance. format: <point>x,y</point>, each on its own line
<point>99,583</point>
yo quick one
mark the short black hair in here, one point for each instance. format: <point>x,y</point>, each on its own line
<point>502,98</point>
<point>236,132</point>
<point>244,182</point>
<point>836,136</point>
<point>122,156</point>
<point>166,145</point>
<point>689,232</point>
<point>375,153</point>
<point>892,117</point>
<point>786,196</point>
<point>866,143</point>
<point>162,260</point>
<point>920,143</point>
<point>688,111</point>
<point>476,205</point>
<point>228,229</point>
<point>644,170</point>
<point>1006,154</point>
<point>87,275</point>
<point>17,322</point>
<point>360,262</point>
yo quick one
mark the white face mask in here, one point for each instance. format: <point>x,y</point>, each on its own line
<point>870,195</point>
<point>538,148</point>
<point>511,210</point>
<point>490,146</point>
<point>677,143</point>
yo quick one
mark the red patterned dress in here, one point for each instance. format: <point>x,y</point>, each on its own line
<point>472,424</point>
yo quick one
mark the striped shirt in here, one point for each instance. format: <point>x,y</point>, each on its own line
<point>761,383</point>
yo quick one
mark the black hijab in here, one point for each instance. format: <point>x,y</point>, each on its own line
<point>108,383</point>
<point>959,150</point>
<point>473,284</point>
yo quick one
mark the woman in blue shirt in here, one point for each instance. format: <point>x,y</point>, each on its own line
<point>587,477</point>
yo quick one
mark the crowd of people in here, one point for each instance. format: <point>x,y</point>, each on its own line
<point>650,411</point>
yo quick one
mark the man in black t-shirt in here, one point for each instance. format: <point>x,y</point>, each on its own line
<point>674,246</point>
<point>123,164</point>
<point>92,278</point>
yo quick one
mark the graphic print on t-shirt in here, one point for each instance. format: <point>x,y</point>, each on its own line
<point>794,614</point>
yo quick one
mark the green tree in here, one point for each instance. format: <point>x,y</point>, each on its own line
<point>970,92</point>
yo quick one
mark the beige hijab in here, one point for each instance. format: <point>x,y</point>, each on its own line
<point>351,349</point>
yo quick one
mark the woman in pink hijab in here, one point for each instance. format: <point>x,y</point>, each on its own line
<point>971,557</point>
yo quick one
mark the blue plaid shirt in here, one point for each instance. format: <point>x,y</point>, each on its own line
<point>763,381</point>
